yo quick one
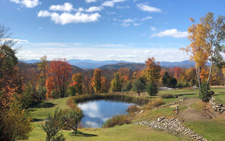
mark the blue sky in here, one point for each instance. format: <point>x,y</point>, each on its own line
<point>130,30</point>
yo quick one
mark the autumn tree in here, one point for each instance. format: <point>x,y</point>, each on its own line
<point>77,78</point>
<point>96,80</point>
<point>116,83</point>
<point>60,71</point>
<point>103,84</point>
<point>139,85</point>
<point>43,68</point>
<point>87,84</point>
<point>215,37</point>
<point>152,71</point>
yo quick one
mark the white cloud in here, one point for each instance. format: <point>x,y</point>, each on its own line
<point>136,24</point>
<point>66,7</point>
<point>94,9</point>
<point>126,52</point>
<point>171,33</point>
<point>110,13</point>
<point>13,40</point>
<point>66,18</point>
<point>127,22</point>
<point>148,8</point>
<point>123,7</point>
<point>89,1</point>
<point>146,18</point>
<point>153,28</point>
<point>44,13</point>
<point>27,3</point>
<point>111,3</point>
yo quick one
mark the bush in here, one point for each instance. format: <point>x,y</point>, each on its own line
<point>164,96</point>
<point>155,103</point>
<point>71,118</point>
<point>132,109</point>
<point>152,89</point>
<point>52,127</point>
<point>117,120</point>
<point>205,95</point>
<point>15,124</point>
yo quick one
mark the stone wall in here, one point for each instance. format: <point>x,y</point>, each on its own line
<point>173,125</point>
<point>217,107</point>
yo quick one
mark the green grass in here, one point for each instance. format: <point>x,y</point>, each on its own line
<point>42,110</point>
<point>118,133</point>
<point>211,130</point>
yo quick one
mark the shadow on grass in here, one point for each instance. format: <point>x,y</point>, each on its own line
<point>81,134</point>
<point>184,94</point>
<point>44,105</point>
<point>38,120</point>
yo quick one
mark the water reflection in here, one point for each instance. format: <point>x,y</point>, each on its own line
<point>97,112</point>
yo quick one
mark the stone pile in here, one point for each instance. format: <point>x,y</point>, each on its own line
<point>165,89</point>
<point>174,126</point>
<point>217,107</point>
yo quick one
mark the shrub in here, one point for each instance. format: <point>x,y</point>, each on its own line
<point>132,109</point>
<point>15,124</point>
<point>205,95</point>
<point>71,118</point>
<point>52,127</point>
<point>152,89</point>
<point>164,96</point>
<point>155,103</point>
<point>117,120</point>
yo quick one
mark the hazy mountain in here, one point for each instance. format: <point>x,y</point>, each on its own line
<point>132,66</point>
<point>23,65</point>
<point>84,64</point>
<point>112,64</point>
<point>164,64</point>
<point>91,64</point>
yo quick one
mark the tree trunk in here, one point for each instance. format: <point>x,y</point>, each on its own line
<point>198,71</point>
<point>210,71</point>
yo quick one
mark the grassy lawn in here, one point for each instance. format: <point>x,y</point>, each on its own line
<point>42,110</point>
<point>118,133</point>
<point>211,130</point>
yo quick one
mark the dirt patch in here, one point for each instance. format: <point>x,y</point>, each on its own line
<point>190,113</point>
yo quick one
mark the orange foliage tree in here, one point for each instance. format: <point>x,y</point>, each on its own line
<point>60,71</point>
<point>77,77</point>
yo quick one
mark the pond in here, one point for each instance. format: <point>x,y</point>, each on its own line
<point>96,112</point>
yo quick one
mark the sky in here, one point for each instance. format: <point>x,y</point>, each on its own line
<point>129,30</point>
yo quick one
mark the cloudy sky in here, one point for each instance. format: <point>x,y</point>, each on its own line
<point>130,30</point>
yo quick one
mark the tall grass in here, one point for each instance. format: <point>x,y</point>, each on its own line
<point>115,97</point>
<point>154,103</point>
<point>117,120</point>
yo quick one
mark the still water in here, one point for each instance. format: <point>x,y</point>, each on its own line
<point>98,111</point>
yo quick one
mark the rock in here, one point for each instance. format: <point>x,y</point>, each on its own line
<point>160,119</point>
<point>172,125</point>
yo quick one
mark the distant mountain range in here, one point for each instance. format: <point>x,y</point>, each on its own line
<point>112,64</point>
<point>84,64</point>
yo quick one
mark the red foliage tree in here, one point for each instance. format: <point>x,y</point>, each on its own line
<point>60,70</point>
